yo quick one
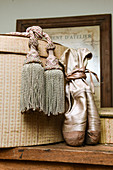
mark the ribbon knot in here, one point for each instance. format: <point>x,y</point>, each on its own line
<point>80,73</point>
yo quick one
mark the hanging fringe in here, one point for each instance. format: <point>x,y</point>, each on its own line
<point>32,88</point>
<point>32,83</point>
<point>55,102</point>
<point>54,78</point>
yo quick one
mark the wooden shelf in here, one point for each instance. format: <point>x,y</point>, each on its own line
<point>94,155</point>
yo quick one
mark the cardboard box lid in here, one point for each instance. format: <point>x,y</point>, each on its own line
<point>19,45</point>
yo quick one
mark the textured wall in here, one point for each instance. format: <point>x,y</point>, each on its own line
<point>10,10</point>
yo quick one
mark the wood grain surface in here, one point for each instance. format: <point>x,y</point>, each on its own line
<point>61,153</point>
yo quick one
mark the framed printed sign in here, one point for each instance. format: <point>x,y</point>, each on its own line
<point>92,32</point>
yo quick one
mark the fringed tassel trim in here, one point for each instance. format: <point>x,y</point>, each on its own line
<point>55,98</point>
<point>32,88</point>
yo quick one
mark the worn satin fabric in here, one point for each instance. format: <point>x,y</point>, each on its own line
<point>93,116</point>
<point>76,115</point>
<point>72,58</point>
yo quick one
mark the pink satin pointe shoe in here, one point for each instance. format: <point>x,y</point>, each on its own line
<point>93,126</point>
<point>75,120</point>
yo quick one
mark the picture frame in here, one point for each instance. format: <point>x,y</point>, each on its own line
<point>104,23</point>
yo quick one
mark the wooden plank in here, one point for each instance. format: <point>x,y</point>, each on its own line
<point>59,22</point>
<point>106,58</point>
<point>95,155</point>
<point>32,165</point>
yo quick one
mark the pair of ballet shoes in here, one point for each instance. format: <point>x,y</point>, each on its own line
<point>82,122</point>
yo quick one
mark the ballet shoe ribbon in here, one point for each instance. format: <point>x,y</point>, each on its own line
<point>80,73</point>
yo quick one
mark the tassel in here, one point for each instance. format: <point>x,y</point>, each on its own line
<point>32,84</point>
<point>54,78</point>
<point>32,90</point>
